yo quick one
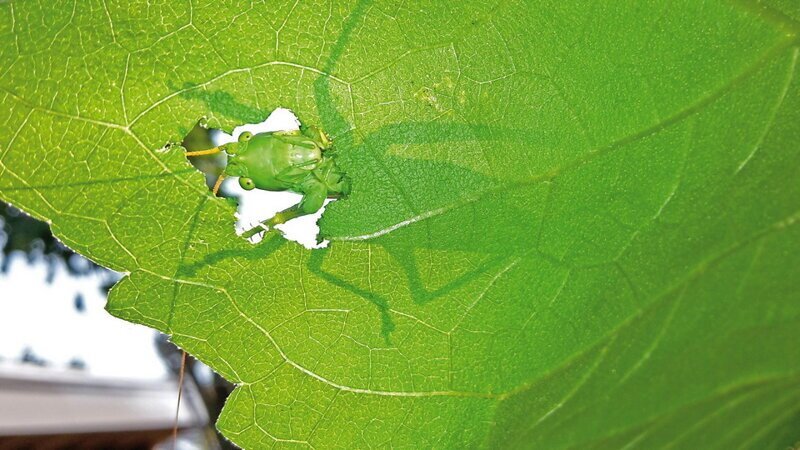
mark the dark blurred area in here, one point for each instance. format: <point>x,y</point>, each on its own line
<point>31,237</point>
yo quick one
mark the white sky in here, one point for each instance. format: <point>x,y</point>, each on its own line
<point>43,318</point>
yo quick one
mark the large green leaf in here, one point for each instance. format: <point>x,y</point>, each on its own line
<point>572,225</point>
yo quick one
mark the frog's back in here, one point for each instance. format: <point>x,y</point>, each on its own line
<point>279,161</point>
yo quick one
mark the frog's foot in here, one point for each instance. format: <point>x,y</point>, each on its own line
<point>279,218</point>
<point>260,228</point>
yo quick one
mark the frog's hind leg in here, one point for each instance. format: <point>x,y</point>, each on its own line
<point>279,218</point>
<point>313,200</point>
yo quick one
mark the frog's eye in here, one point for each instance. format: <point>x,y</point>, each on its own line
<point>245,136</point>
<point>246,184</point>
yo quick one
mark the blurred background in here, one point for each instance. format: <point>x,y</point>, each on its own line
<point>74,377</point>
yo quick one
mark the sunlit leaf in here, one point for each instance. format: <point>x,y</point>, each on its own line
<point>572,225</point>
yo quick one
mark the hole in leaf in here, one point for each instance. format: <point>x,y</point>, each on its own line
<point>255,205</point>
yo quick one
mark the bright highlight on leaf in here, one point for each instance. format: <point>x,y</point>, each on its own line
<point>571,225</point>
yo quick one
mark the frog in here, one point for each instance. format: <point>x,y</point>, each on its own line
<point>301,161</point>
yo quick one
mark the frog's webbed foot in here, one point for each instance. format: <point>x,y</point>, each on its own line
<point>260,228</point>
<point>279,218</point>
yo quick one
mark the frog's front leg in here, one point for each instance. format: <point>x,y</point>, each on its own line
<point>314,195</point>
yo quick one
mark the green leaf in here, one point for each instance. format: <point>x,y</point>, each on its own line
<point>571,225</point>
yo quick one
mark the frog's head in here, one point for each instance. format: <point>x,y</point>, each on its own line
<point>236,167</point>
